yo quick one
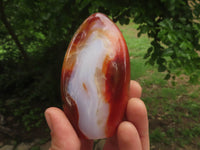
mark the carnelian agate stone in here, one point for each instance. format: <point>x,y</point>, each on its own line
<point>95,78</point>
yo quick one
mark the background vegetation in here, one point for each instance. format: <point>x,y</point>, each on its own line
<point>33,40</point>
<point>173,105</point>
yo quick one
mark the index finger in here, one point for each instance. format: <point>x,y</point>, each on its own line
<point>135,89</point>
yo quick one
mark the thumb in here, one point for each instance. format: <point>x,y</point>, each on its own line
<point>63,136</point>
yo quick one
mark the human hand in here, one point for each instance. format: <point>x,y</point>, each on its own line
<point>132,133</point>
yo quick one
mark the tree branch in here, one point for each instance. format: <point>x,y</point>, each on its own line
<point>10,30</point>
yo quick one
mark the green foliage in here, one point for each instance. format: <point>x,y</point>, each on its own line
<point>174,27</point>
<point>175,36</point>
<point>173,109</point>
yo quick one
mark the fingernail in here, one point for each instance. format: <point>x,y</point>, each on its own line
<point>48,119</point>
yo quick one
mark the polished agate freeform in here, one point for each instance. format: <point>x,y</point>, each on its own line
<point>95,78</point>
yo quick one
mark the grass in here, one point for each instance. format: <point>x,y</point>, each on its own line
<point>173,110</point>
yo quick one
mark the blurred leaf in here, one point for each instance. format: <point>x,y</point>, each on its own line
<point>161,68</point>
<point>148,52</point>
<point>167,77</point>
<point>168,52</point>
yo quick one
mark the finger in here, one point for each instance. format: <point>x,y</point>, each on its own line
<point>128,137</point>
<point>137,114</point>
<point>135,89</point>
<point>62,133</point>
